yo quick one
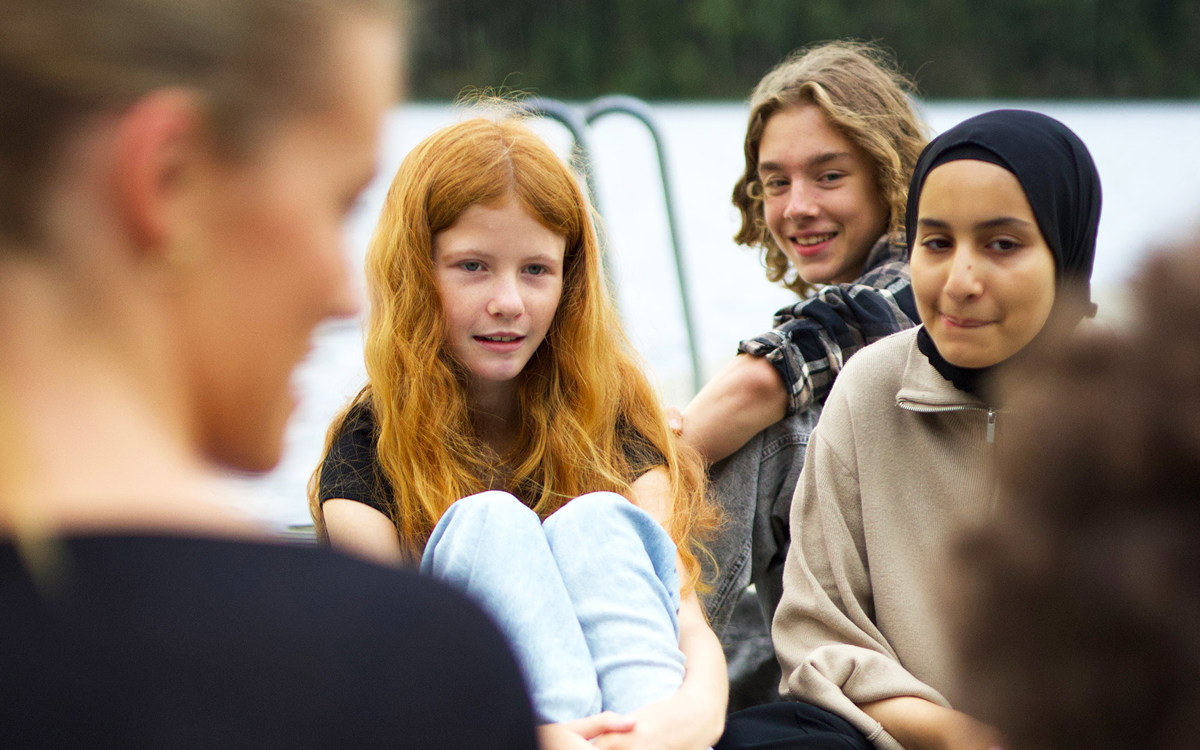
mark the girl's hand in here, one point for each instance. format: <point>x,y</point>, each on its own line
<point>575,735</point>
<point>663,725</point>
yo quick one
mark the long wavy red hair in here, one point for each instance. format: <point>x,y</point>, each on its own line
<point>583,395</point>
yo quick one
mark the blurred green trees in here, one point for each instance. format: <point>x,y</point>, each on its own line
<point>717,49</point>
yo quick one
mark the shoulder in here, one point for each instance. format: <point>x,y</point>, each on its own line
<point>356,435</point>
<point>284,588</point>
<point>360,420</point>
<point>350,468</point>
<point>882,361</point>
<point>324,646</point>
<point>867,386</point>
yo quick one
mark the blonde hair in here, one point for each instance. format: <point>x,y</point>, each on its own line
<point>866,97</point>
<point>63,62</point>
<point>583,396</point>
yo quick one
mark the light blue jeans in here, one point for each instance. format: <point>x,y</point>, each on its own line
<point>589,599</point>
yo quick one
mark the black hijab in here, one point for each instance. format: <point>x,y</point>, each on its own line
<point>1059,179</point>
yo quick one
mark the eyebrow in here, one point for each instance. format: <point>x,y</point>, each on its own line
<point>476,252</point>
<point>816,161</point>
<point>999,221</point>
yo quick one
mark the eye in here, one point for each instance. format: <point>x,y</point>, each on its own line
<point>536,269</point>
<point>831,178</point>
<point>935,244</point>
<point>471,266</point>
<point>1004,244</point>
<point>774,184</point>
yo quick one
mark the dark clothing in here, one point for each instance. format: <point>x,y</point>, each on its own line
<point>790,726</point>
<point>351,470</point>
<point>812,339</point>
<point>154,641</point>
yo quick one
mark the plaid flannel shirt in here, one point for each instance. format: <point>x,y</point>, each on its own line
<point>813,338</point>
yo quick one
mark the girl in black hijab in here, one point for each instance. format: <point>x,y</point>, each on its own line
<point>1002,216</point>
<point>1061,184</point>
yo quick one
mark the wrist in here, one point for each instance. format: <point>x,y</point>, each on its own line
<point>690,722</point>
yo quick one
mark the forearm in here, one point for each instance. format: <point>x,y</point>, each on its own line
<point>918,724</point>
<point>705,687</point>
<point>742,400</point>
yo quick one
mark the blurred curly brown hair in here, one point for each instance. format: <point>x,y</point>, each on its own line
<point>865,96</point>
<point>1080,627</point>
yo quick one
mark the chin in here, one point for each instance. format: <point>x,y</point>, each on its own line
<point>818,274</point>
<point>252,444</point>
<point>968,359</point>
<point>257,458</point>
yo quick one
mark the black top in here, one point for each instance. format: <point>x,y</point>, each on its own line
<point>172,642</point>
<point>351,470</point>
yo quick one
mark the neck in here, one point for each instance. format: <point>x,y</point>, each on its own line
<point>495,412</point>
<point>93,434</point>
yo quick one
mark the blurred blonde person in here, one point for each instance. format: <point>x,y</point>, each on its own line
<point>173,179</point>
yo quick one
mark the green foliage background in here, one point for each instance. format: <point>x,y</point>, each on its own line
<point>718,49</point>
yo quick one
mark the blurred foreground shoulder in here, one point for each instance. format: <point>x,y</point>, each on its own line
<point>432,669</point>
<point>163,641</point>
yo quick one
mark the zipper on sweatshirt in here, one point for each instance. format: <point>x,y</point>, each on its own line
<point>920,408</point>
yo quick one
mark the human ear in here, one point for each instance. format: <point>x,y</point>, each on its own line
<point>160,141</point>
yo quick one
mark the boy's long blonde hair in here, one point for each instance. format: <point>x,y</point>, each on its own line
<point>865,96</point>
<point>583,395</point>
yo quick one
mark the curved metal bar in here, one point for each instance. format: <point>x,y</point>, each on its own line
<point>580,159</point>
<point>638,109</point>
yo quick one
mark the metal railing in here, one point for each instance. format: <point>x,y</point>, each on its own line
<point>578,122</point>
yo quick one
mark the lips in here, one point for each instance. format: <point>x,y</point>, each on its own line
<point>500,343</point>
<point>811,244</point>
<point>814,239</point>
<point>963,322</point>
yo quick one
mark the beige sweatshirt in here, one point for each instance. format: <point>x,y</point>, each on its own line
<point>899,465</point>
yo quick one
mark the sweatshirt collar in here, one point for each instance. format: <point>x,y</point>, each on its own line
<point>922,384</point>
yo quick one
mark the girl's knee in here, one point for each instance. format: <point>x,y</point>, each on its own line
<point>608,516</point>
<point>490,512</point>
<point>478,523</point>
<point>592,511</point>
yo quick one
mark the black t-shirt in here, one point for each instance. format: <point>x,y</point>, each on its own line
<point>351,471</point>
<point>161,641</point>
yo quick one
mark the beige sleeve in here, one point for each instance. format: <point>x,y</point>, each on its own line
<point>831,651</point>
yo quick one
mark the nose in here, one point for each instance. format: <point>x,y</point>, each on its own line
<point>964,280</point>
<point>506,300</point>
<point>801,203</point>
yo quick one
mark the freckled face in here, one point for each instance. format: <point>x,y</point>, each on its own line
<point>982,274</point>
<point>499,275</point>
<point>821,198</point>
